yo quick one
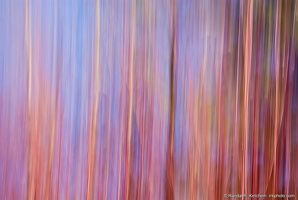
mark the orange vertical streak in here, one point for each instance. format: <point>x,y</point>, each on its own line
<point>276,121</point>
<point>131,78</point>
<point>94,109</point>
<point>220,132</point>
<point>247,67</point>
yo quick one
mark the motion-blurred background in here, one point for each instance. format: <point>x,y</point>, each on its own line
<point>148,99</point>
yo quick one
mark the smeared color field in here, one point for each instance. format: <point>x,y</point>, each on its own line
<point>148,99</point>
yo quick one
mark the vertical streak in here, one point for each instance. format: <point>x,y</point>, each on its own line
<point>238,69</point>
<point>131,78</point>
<point>94,109</point>
<point>29,88</point>
<point>220,132</point>
<point>276,121</point>
<point>290,71</point>
<point>247,67</point>
<point>255,110</point>
<point>122,105</point>
<point>53,102</point>
<point>170,158</point>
